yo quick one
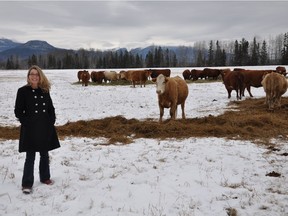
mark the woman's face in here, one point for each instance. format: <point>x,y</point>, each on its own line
<point>34,78</point>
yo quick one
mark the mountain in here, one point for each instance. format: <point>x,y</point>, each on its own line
<point>6,44</point>
<point>185,52</point>
<point>23,51</point>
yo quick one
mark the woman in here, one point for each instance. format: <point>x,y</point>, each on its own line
<point>36,113</point>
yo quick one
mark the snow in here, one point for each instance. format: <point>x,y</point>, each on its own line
<point>195,176</point>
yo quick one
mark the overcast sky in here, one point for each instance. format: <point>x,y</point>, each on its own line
<point>111,24</point>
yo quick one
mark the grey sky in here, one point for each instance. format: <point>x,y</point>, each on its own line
<point>130,24</point>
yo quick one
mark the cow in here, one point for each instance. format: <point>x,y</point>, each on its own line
<point>156,72</point>
<point>196,74</point>
<point>111,76</point>
<point>275,85</point>
<point>252,78</point>
<point>98,76</point>
<point>80,73</point>
<point>281,70</point>
<point>211,73</point>
<point>233,80</point>
<point>171,91</point>
<point>139,76</point>
<point>85,77</point>
<point>121,75</point>
<point>186,74</point>
<point>125,75</point>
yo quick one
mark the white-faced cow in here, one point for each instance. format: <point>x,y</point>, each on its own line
<point>171,91</point>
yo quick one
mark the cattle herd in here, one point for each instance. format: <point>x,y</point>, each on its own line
<point>173,91</point>
<point>134,76</point>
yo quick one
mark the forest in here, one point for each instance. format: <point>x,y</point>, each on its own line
<point>272,51</point>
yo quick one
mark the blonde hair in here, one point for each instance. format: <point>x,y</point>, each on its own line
<point>44,83</point>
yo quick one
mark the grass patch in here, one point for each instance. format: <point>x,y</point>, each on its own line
<point>252,121</point>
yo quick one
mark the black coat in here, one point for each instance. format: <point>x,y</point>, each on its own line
<point>36,113</point>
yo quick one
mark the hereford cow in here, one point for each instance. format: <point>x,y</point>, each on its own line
<point>139,76</point>
<point>186,74</point>
<point>85,77</point>
<point>171,92</point>
<point>156,72</point>
<point>233,80</point>
<point>275,85</point>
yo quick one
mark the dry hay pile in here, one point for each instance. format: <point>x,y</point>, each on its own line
<point>245,120</point>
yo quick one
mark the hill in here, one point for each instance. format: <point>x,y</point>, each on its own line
<point>23,51</point>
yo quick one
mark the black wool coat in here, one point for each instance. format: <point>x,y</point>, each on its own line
<point>36,113</point>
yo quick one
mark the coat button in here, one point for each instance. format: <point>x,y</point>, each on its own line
<point>35,96</point>
<point>36,111</point>
<point>41,96</point>
<point>33,90</point>
<point>44,110</point>
<point>43,104</point>
<point>36,104</point>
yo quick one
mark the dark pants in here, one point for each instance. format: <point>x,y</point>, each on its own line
<point>44,170</point>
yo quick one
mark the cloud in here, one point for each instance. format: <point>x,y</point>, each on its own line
<point>110,24</point>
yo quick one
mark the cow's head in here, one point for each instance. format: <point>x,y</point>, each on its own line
<point>160,84</point>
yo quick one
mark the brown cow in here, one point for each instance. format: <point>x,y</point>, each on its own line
<point>252,78</point>
<point>79,74</point>
<point>233,80</point>
<point>139,76</point>
<point>156,72</point>
<point>211,73</point>
<point>98,76</point>
<point>85,77</point>
<point>171,92</point>
<point>196,74</point>
<point>281,70</point>
<point>186,74</point>
<point>125,75</point>
<point>275,85</point>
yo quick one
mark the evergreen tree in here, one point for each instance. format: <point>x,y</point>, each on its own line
<point>218,55</point>
<point>149,59</point>
<point>211,54</point>
<point>237,54</point>
<point>244,52</point>
<point>166,58</point>
<point>9,64</point>
<point>264,59</point>
<point>32,60</point>
<point>223,58</point>
<point>255,53</point>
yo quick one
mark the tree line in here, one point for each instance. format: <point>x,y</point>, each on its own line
<point>215,53</point>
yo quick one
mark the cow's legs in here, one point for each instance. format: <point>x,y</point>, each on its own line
<point>249,91</point>
<point>183,110</point>
<point>161,108</point>
<point>173,110</point>
<point>229,93</point>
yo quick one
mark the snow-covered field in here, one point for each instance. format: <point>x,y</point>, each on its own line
<point>169,177</point>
